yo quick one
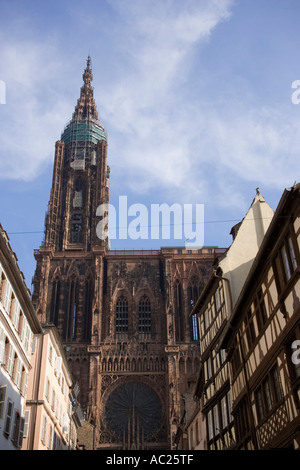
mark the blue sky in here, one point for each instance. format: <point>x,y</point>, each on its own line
<point>195,96</point>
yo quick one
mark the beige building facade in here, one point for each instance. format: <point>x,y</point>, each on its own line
<point>38,400</point>
<point>52,412</point>
<point>212,425</point>
<point>19,326</point>
<point>262,338</point>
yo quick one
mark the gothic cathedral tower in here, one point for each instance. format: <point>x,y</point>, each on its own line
<point>123,317</point>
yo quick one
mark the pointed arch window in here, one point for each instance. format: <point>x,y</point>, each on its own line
<point>71,318</point>
<point>193,295</point>
<point>122,315</point>
<point>179,320</point>
<point>145,315</point>
<point>88,309</point>
<point>55,302</point>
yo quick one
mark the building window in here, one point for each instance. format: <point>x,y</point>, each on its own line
<point>194,328</point>
<point>122,315</point>
<point>6,294</point>
<point>50,437</point>
<point>18,430</point>
<point>3,390</point>
<point>50,355</point>
<point>88,309</point>
<point>219,423</point>
<point>268,395</point>
<point>226,408</point>
<point>179,317</point>
<point>2,346</point>
<point>23,384</point>
<point>71,317</point>
<point>16,315</point>
<point>289,258</point>
<point>208,369</point>
<point>47,389</point>
<point>17,371</point>
<point>209,314</point>
<point>193,295</point>
<point>21,322</point>
<point>8,419</point>
<point>216,420</point>
<point>286,262</point>
<point>220,300</point>
<point>144,315</point>
<point>2,286</point>
<point>10,357</point>
<point>249,328</point>
<point>76,233</point>
<point>210,432</point>
<point>26,423</point>
<point>12,307</point>
<point>242,424</point>
<point>44,429</point>
<point>55,302</point>
<point>236,361</point>
<point>260,310</point>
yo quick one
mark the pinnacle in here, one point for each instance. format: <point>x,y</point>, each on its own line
<point>86,106</point>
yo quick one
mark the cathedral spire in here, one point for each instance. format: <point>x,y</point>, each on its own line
<point>86,106</point>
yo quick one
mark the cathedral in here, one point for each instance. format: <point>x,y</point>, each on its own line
<point>124,318</point>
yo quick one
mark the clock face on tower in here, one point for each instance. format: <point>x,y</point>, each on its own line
<point>133,409</point>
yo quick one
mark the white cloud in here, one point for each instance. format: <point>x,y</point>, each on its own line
<point>260,145</point>
<point>147,105</point>
<point>33,110</point>
<point>173,143</point>
<point>158,137</point>
<point>141,103</point>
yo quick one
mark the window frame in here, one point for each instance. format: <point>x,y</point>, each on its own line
<point>8,417</point>
<point>121,315</point>
<point>144,312</point>
<point>286,260</point>
<point>266,405</point>
<point>216,425</point>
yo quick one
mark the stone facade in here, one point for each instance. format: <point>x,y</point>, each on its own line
<point>123,317</point>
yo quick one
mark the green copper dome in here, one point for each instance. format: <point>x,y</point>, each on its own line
<point>84,130</point>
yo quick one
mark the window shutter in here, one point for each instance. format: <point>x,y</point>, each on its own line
<point>58,364</point>
<point>9,414</point>
<point>2,346</point>
<point>16,315</point>
<point>24,327</point>
<point>27,338</point>
<point>10,362</point>
<point>21,432</point>
<point>66,424</point>
<point>43,436</point>
<point>24,383</point>
<point>19,373</point>
<point>33,345</point>
<point>26,423</point>
<point>47,389</point>
<point>8,291</point>
<point>53,399</point>
<point>2,400</point>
